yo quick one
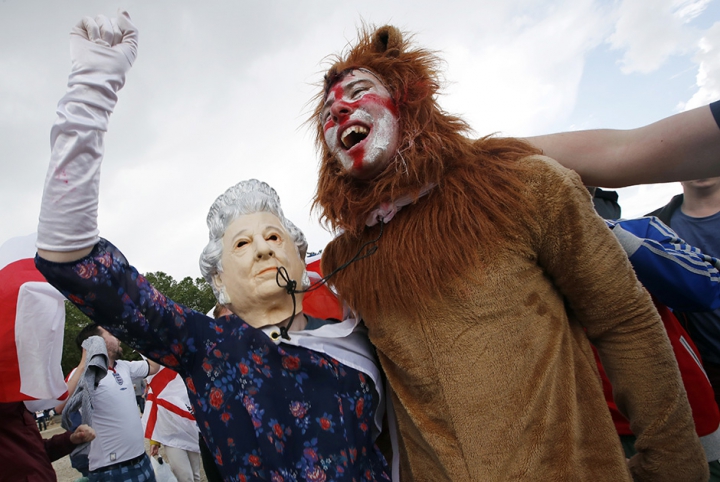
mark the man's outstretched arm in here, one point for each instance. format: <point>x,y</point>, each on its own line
<point>682,147</point>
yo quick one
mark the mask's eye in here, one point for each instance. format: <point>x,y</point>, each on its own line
<point>273,237</point>
<point>241,243</point>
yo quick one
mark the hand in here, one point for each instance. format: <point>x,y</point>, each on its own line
<point>104,47</point>
<point>84,433</point>
<point>154,450</point>
<point>102,52</point>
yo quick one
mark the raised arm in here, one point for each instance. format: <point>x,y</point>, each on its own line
<point>105,287</point>
<point>678,148</point>
<point>102,51</point>
<point>73,381</point>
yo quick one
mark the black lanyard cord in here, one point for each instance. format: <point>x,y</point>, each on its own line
<point>368,248</point>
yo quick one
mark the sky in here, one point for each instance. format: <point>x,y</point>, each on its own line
<point>221,90</point>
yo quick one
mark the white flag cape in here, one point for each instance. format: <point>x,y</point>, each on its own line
<point>32,324</point>
<point>168,417</point>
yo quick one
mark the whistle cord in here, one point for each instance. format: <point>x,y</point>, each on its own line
<point>290,285</point>
<point>367,249</point>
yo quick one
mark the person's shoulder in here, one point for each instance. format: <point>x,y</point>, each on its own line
<point>541,172</point>
<point>664,213</point>
<point>543,164</point>
<point>122,365</point>
<point>130,364</point>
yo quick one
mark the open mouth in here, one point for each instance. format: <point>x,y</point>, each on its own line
<point>353,135</point>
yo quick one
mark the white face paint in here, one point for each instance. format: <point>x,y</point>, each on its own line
<point>361,125</point>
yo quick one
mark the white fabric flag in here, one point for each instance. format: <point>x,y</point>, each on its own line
<point>32,324</point>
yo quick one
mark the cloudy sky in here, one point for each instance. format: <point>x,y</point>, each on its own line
<point>220,91</point>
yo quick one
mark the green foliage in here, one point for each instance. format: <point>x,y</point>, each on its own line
<point>195,294</point>
<point>75,321</point>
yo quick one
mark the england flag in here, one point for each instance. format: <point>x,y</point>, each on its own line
<point>32,323</point>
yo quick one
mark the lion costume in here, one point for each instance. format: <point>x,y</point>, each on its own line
<point>482,296</point>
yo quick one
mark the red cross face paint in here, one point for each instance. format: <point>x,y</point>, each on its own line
<point>360,122</point>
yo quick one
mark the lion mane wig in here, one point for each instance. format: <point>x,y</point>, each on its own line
<point>473,204</point>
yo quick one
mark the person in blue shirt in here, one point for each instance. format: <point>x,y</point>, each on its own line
<point>681,277</point>
<point>695,216</point>
<point>678,274</point>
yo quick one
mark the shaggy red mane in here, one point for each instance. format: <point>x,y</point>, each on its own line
<point>476,197</point>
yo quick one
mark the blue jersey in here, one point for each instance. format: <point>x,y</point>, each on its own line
<point>703,326</point>
<point>677,274</point>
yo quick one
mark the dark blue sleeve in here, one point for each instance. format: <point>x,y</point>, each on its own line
<point>263,408</point>
<point>112,293</point>
<point>677,274</point>
<point>715,109</point>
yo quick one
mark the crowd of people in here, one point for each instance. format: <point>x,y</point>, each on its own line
<point>494,326</point>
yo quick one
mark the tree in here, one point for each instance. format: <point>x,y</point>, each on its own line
<point>195,294</point>
<point>75,321</point>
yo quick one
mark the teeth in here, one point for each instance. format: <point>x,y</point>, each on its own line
<point>349,140</point>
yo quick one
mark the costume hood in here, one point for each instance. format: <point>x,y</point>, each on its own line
<point>472,186</point>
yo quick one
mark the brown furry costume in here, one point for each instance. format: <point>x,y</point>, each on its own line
<point>481,298</point>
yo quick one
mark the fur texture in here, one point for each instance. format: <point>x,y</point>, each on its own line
<point>470,208</point>
<point>481,298</point>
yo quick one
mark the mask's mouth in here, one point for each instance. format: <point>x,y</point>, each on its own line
<point>353,135</point>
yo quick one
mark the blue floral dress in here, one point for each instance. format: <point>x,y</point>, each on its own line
<point>267,411</point>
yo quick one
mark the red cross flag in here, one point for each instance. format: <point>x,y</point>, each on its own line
<point>167,417</point>
<point>32,324</point>
<point>321,302</point>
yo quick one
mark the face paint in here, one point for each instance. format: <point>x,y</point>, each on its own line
<point>360,123</point>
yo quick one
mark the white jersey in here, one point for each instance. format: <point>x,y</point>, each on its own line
<point>116,418</point>
<point>168,417</point>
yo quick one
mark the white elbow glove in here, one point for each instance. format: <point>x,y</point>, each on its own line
<point>102,51</point>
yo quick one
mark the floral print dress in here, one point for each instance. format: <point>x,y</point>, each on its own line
<point>267,412</point>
